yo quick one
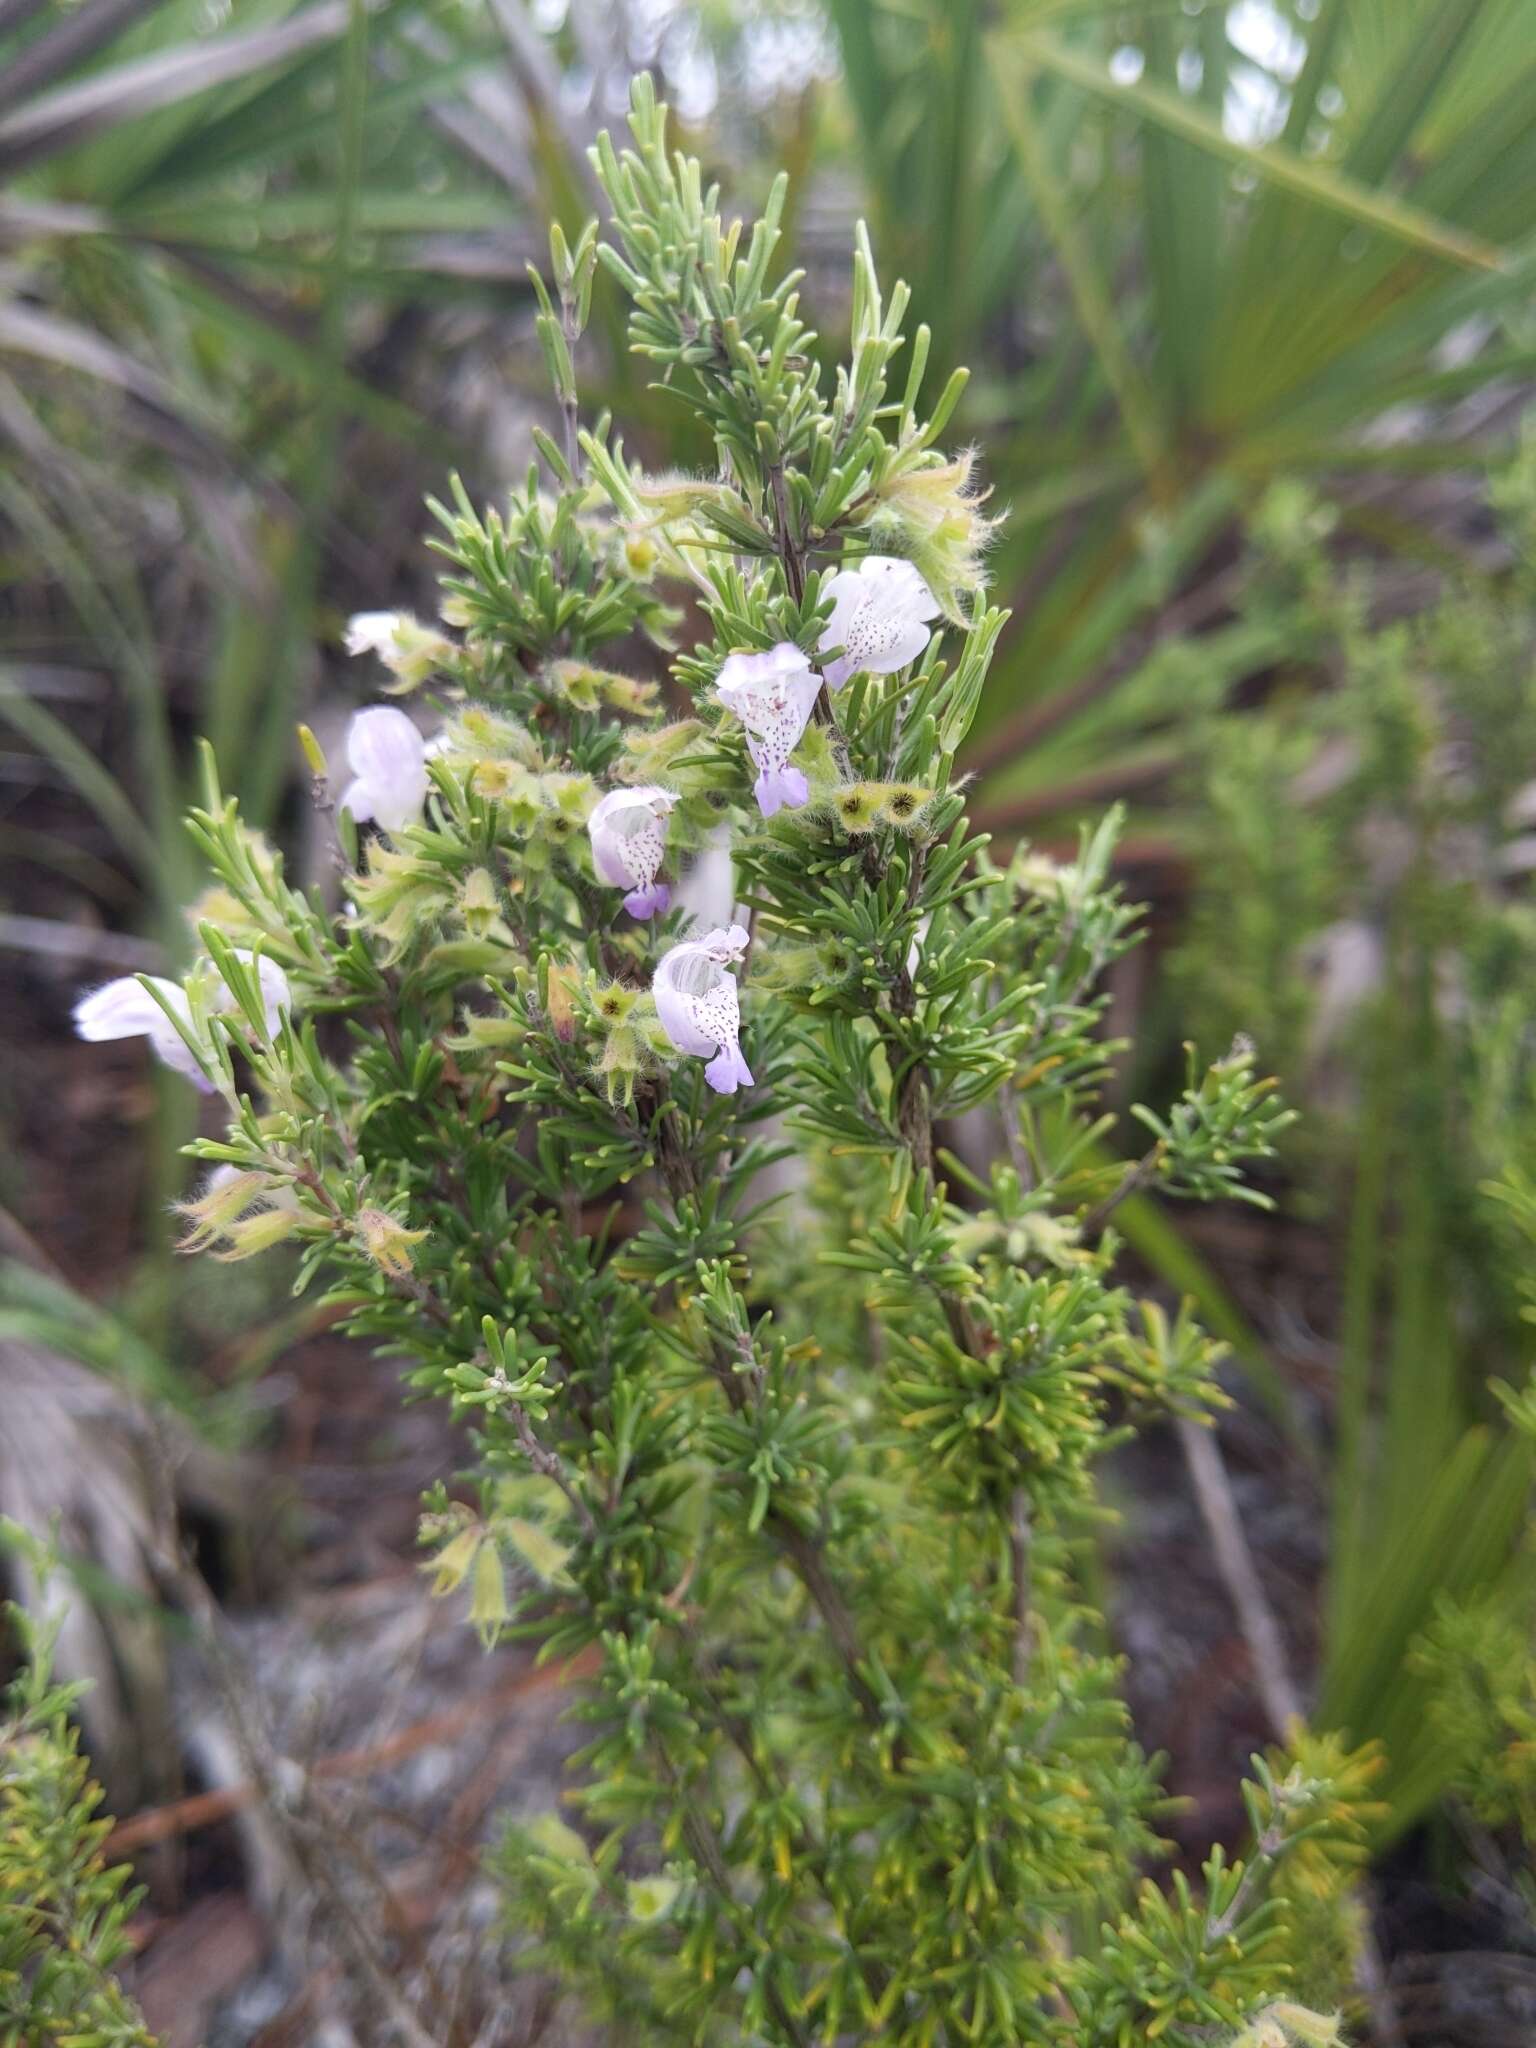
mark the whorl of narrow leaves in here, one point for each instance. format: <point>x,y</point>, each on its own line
<point>806,1457</point>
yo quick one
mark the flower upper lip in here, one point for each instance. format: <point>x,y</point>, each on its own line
<point>881,618</point>
<point>388,759</point>
<point>727,942</point>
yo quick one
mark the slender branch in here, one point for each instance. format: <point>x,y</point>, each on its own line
<point>710,1857</point>
<point>1234,1561</point>
<point>914,1121</point>
<point>788,547</point>
<point>204,1809</point>
<point>792,559</point>
<point>416,1288</point>
<point>570,419</point>
<point>1136,1177</point>
<point>814,1854</point>
<point>914,1092</point>
<point>809,1560</point>
<point>409,1284</point>
<point>1020,1546</point>
<point>1018,1155</point>
<point>740,1388</point>
<point>1265,1854</point>
<point>1371,1977</point>
<point>549,1464</point>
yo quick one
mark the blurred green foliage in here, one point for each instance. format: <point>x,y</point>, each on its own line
<point>1361,848</point>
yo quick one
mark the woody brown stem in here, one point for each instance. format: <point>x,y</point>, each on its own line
<point>1020,1544</point>
<point>549,1464</point>
<point>705,1848</point>
<point>788,548</point>
<point>740,1388</point>
<point>1135,1178</point>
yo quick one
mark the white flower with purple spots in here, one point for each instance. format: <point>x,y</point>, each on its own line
<point>772,694</point>
<point>697,1004</point>
<point>388,759</point>
<point>125,1008</point>
<point>628,830</point>
<point>880,618</point>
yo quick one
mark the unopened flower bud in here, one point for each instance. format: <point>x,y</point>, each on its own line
<point>933,515</point>
<point>488,1595</point>
<point>257,1233</point>
<point>450,1567</point>
<point>1321,2030</point>
<point>675,496</point>
<point>314,754</point>
<point>559,995</point>
<point>477,900</point>
<point>1290,2026</point>
<point>551,1834</point>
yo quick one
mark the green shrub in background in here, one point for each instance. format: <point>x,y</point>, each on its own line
<point>1362,848</point>
<point>63,1912</point>
<point>807,1476</point>
<point>1481,1667</point>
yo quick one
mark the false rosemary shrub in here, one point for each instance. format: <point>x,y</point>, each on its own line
<point>63,1912</point>
<point>783,1417</point>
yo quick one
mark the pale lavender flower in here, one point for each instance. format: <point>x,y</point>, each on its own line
<point>880,618</point>
<point>697,1003</point>
<point>409,650</point>
<point>628,830</point>
<point>372,632</point>
<point>125,1008</point>
<point>388,759</point>
<point>772,694</point>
